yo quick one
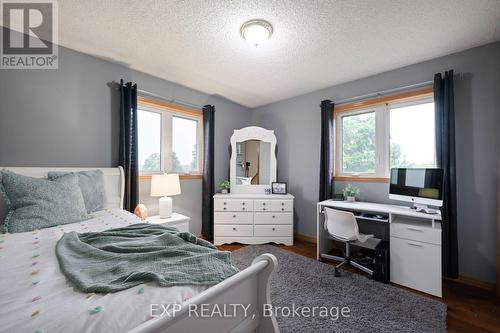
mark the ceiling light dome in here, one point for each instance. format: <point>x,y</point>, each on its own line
<point>256,32</point>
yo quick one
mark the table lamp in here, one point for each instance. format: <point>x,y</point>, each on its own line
<point>164,186</point>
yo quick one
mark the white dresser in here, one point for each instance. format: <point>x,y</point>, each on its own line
<point>253,218</point>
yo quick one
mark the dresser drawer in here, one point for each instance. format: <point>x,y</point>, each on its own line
<point>233,218</point>
<point>416,265</point>
<point>273,218</point>
<point>273,230</point>
<point>416,232</point>
<point>234,230</point>
<point>233,205</point>
<point>273,205</point>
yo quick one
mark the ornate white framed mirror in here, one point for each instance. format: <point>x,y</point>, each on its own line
<point>253,160</point>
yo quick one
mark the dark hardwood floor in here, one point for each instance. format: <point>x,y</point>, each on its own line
<point>470,309</point>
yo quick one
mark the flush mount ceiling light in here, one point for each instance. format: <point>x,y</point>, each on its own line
<point>256,32</point>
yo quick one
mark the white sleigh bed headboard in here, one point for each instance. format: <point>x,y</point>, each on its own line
<point>114,180</point>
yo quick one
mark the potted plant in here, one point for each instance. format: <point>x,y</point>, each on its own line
<point>350,192</point>
<point>224,186</point>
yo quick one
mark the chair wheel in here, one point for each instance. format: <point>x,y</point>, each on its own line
<point>337,272</point>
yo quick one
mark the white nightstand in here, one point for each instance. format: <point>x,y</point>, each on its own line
<point>179,221</point>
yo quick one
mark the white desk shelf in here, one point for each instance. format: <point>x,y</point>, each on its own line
<point>415,242</point>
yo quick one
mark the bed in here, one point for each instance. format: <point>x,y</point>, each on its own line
<point>36,297</point>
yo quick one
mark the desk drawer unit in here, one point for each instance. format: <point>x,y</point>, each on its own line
<point>419,233</point>
<point>258,220</point>
<point>416,265</point>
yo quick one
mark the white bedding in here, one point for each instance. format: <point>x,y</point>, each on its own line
<point>35,296</point>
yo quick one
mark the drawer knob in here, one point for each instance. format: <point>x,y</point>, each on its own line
<point>274,229</point>
<point>274,216</point>
<point>263,209</point>
<point>263,204</point>
<point>243,203</point>
<point>282,208</point>
<point>234,229</point>
<point>243,208</point>
<point>282,203</point>
<point>225,203</point>
<point>234,216</point>
<point>225,208</point>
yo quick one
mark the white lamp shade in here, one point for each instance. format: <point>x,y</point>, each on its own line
<point>165,185</point>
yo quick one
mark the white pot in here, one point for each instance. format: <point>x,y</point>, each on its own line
<point>224,191</point>
<point>351,199</point>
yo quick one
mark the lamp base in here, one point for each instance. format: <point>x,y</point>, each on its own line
<point>165,207</point>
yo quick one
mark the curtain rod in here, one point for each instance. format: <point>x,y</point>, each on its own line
<point>166,99</point>
<point>384,92</point>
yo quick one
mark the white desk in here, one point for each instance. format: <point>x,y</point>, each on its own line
<point>415,242</point>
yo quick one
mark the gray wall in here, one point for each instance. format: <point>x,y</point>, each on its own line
<point>69,117</point>
<point>477,105</point>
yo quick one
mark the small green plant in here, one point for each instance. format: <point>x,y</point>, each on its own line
<point>351,191</point>
<point>224,185</point>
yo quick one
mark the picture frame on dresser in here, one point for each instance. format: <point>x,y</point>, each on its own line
<point>279,188</point>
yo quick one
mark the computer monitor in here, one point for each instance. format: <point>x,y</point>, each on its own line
<point>421,186</point>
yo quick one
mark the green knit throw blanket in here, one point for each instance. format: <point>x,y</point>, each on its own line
<point>117,259</point>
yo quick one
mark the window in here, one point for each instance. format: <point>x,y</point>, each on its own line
<point>412,137</point>
<point>169,139</point>
<point>149,138</point>
<point>372,138</point>
<point>184,145</point>
<point>358,143</point>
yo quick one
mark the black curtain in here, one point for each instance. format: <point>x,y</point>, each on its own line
<point>207,225</point>
<point>445,154</point>
<point>128,143</point>
<point>326,160</point>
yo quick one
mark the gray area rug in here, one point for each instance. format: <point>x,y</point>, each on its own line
<point>374,306</point>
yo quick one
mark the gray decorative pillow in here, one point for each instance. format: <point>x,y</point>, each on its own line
<point>92,186</point>
<point>37,203</point>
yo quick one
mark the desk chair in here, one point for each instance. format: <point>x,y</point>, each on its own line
<point>342,226</point>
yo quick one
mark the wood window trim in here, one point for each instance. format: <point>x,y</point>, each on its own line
<point>181,176</point>
<point>361,179</point>
<point>162,105</point>
<point>378,101</point>
<point>372,103</point>
<point>179,109</point>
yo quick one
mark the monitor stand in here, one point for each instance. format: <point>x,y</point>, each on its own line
<point>424,209</point>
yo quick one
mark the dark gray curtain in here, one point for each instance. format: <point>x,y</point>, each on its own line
<point>326,160</point>
<point>128,143</point>
<point>208,190</point>
<point>445,154</point>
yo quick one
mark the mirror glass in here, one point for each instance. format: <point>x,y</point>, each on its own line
<point>253,162</point>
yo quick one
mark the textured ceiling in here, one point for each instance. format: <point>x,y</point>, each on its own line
<point>316,43</point>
